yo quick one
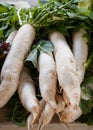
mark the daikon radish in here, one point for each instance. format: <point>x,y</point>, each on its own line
<point>30,117</point>
<point>10,40</point>
<point>47,78</point>
<point>80,51</point>
<point>27,95</point>
<point>70,114</point>
<point>30,122</point>
<point>67,77</point>
<point>48,112</point>
<point>46,116</point>
<point>14,62</point>
<point>11,37</point>
<point>66,69</point>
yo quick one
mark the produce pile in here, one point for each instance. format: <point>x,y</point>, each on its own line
<point>46,62</point>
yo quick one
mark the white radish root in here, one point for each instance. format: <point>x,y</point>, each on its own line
<point>26,91</point>
<point>46,116</point>
<point>80,51</point>
<point>11,37</point>
<point>14,62</point>
<point>30,117</point>
<point>10,40</point>
<point>48,112</point>
<point>66,69</point>
<point>70,114</point>
<point>67,76</point>
<point>30,122</point>
<point>47,78</point>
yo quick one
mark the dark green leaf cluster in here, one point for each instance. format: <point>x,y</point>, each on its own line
<point>8,19</point>
<point>86,103</point>
<point>17,114</point>
<point>61,15</point>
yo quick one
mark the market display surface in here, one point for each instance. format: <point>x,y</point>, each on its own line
<point>46,62</point>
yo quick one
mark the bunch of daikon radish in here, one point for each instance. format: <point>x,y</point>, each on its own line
<point>64,66</point>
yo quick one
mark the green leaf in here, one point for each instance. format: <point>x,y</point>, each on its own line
<point>90,119</point>
<point>91,15</point>
<point>86,106</point>
<point>89,61</point>
<point>88,80</point>
<point>46,46</point>
<point>86,93</point>
<point>42,45</point>
<point>4,27</point>
<point>3,8</point>
<point>87,119</point>
<point>85,4</point>
<point>19,118</point>
<point>1,33</point>
<point>84,11</point>
<point>33,57</point>
<point>9,31</point>
<point>71,15</point>
<point>42,1</point>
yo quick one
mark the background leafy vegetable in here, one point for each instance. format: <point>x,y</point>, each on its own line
<point>8,20</point>
<point>86,103</point>
<point>62,15</point>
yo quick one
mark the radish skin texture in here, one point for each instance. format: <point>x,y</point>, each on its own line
<point>80,51</point>
<point>48,112</point>
<point>10,40</point>
<point>46,116</point>
<point>30,122</point>
<point>70,114</point>
<point>27,95</point>
<point>66,69</point>
<point>11,37</point>
<point>14,62</point>
<point>47,78</point>
<point>42,106</point>
<point>30,117</point>
<point>67,77</point>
